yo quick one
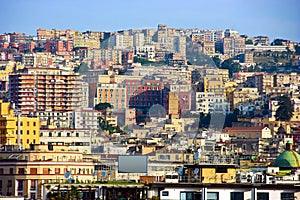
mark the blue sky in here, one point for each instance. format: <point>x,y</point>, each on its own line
<point>273,18</point>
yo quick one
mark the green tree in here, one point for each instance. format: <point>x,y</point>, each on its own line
<point>217,61</point>
<point>103,121</point>
<point>83,67</point>
<point>204,120</point>
<point>231,117</point>
<point>285,110</point>
<point>297,48</point>
<point>231,66</point>
<point>103,106</point>
<point>248,41</point>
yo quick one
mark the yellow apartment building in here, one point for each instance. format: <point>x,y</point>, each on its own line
<point>112,93</point>
<point>243,95</point>
<point>210,173</point>
<point>82,41</point>
<point>29,128</point>
<point>214,83</point>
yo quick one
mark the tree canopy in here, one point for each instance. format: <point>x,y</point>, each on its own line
<point>83,67</point>
<point>231,66</point>
<point>103,106</point>
<point>285,110</point>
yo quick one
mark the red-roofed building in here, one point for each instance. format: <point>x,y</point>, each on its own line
<point>249,132</point>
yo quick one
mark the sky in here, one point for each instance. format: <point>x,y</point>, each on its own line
<point>272,18</point>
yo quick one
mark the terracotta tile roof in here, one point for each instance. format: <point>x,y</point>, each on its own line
<point>255,128</point>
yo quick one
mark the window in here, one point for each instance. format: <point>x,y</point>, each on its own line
<point>27,123</point>
<point>20,185</point>
<point>221,170</point>
<point>287,196</point>
<point>236,195</point>
<point>262,196</point>
<point>33,170</point>
<point>59,134</point>
<point>77,134</point>
<point>1,171</point>
<point>34,132</point>
<point>11,170</point>
<point>32,185</point>
<point>164,157</point>
<point>0,185</point>
<point>46,171</point>
<point>212,196</point>
<point>9,183</point>
<point>190,195</point>
<point>34,123</point>
<point>50,134</point>
<point>68,134</point>
<point>21,171</point>
<point>187,157</point>
<point>165,193</point>
<point>57,170</point>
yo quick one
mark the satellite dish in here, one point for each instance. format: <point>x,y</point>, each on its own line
<point>196,170</point>
<point>70,180</point>
<point>67,174</point>
<point>103,173</point>
<point>196,155</point>
<point>180,170</point>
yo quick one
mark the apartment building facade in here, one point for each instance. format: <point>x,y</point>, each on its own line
<point>27,171</point>
<point>45,90</point>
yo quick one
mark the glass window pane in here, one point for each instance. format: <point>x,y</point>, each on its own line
<point>212,195</point>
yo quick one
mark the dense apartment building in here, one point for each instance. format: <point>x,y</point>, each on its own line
<point>242,96</point>
<point>86,119</point>
<point>208,102</point>
<point>26,172</point>
<point>121,41</point>
<point>76,139</point>
<point>44,34</point>
<point>46,89</point>
<point>183,94</point>
<point>112,93</point>
<point>16,130</point>
<point>262,81</point>
<point>84,41</point>
<point>261,40</point>
<point>144,94</point>
<point>232,46</point>
<point>145,51</point>
<point>213,83</point>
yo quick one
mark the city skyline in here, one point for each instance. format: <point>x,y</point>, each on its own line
<point>275,19</point>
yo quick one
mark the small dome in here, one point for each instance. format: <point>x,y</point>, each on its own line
<point>288,158</point>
